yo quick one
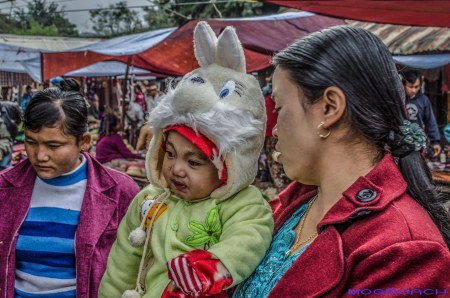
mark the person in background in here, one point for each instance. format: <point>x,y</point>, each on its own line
<point>362,213</point>
<point>419,108</point>
<point>145,136</point>
<point>276,171</point>
<point>61,208</point>
<point>93,108</point>
<point>11,115</point>
<point>139,97</point>
<point>93,130</point>
<point>110,144</point>
<point>5,141</point>
<point>134,118</point>
<point>153,97</point>
<point>56,82</point>
<point>26,97</point>
<point>446,131</point>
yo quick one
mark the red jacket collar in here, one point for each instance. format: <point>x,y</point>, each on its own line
<point>368,194</point>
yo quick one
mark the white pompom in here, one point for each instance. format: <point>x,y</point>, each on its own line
<point>137,237</point>
<point>131,294</point>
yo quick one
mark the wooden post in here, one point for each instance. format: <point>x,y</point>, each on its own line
<point>125,89</point>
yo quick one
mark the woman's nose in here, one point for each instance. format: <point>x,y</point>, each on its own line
<point>42,154</point>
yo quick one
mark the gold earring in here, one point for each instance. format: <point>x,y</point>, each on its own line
<point>323,136</point>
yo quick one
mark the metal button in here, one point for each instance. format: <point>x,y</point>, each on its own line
<point>366,195</point>
<point>175,226</point>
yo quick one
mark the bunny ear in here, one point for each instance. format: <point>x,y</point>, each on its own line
<point>229,50</point>
<point>205,43</point>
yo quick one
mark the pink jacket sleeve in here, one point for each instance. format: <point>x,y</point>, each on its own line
<point>122,148</point>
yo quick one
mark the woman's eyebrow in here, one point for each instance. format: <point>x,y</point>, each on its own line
<point>60,142</point>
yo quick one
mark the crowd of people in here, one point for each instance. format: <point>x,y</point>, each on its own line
<point>356,208</point>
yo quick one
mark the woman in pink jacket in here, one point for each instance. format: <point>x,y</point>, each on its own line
<point>60,208</point>
<point>110,144</point>
<point>362,216</point>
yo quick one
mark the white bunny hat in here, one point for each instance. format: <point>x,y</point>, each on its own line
<point>220,101</point>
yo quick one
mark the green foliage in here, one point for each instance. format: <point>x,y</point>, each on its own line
<point>169,13</point>
<point>38,29</point>
<point>7,24</point>
<point>118,19</point>
<point>43,18</point>
<point>158,18</point>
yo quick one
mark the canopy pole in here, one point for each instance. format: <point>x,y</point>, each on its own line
<point>125,89</point>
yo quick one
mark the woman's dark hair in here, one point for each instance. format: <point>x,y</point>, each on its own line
<point>109,121</point>
<point>357,62</point>
<point>64,105</point>
<point>138,87</point>
<point>410,76</point>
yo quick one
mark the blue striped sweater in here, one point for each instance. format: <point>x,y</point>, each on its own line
<point>45,264</point>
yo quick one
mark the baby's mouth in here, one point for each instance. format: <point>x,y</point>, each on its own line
<point>178,185</point>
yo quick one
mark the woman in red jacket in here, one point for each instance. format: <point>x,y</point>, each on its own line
<point>362,216</point>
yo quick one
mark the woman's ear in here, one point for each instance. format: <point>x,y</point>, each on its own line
<point>85,141</point>
<point>334,104</point>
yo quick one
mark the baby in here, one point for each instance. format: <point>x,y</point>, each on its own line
<point>200,227</point>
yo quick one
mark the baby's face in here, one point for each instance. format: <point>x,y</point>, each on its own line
<point>188,172</point>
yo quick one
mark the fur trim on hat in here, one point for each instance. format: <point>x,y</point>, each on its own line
<point>225,125</point>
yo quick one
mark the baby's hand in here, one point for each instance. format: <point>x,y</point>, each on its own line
<point>199,273</point>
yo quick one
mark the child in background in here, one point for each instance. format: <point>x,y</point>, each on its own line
<point>200,227</point>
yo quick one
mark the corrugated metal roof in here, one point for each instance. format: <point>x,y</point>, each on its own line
<point>406,40</point>
<point>51,43</point>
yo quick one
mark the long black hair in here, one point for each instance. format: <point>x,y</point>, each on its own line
<point>64,106</point>
<point>357,62</point>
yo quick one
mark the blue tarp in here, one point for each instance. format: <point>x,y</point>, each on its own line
<point>106,68</point>
<point>127,45</point>
<point>27,60</point>
<point>423,61</point>
<point>12,58</point>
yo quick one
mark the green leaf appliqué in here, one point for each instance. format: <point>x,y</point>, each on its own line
<point>206,234</point>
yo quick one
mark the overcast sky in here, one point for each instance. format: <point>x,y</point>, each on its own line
<point>81,18</point>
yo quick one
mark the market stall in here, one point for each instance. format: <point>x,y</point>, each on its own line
<point>170,52</point>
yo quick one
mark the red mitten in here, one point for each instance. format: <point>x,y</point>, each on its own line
<point>199,274</point>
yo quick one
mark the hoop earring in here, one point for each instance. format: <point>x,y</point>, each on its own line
<point>318,129</point>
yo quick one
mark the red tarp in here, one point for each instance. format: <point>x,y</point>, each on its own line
<point>427,13</point>
<point>261,37</point>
